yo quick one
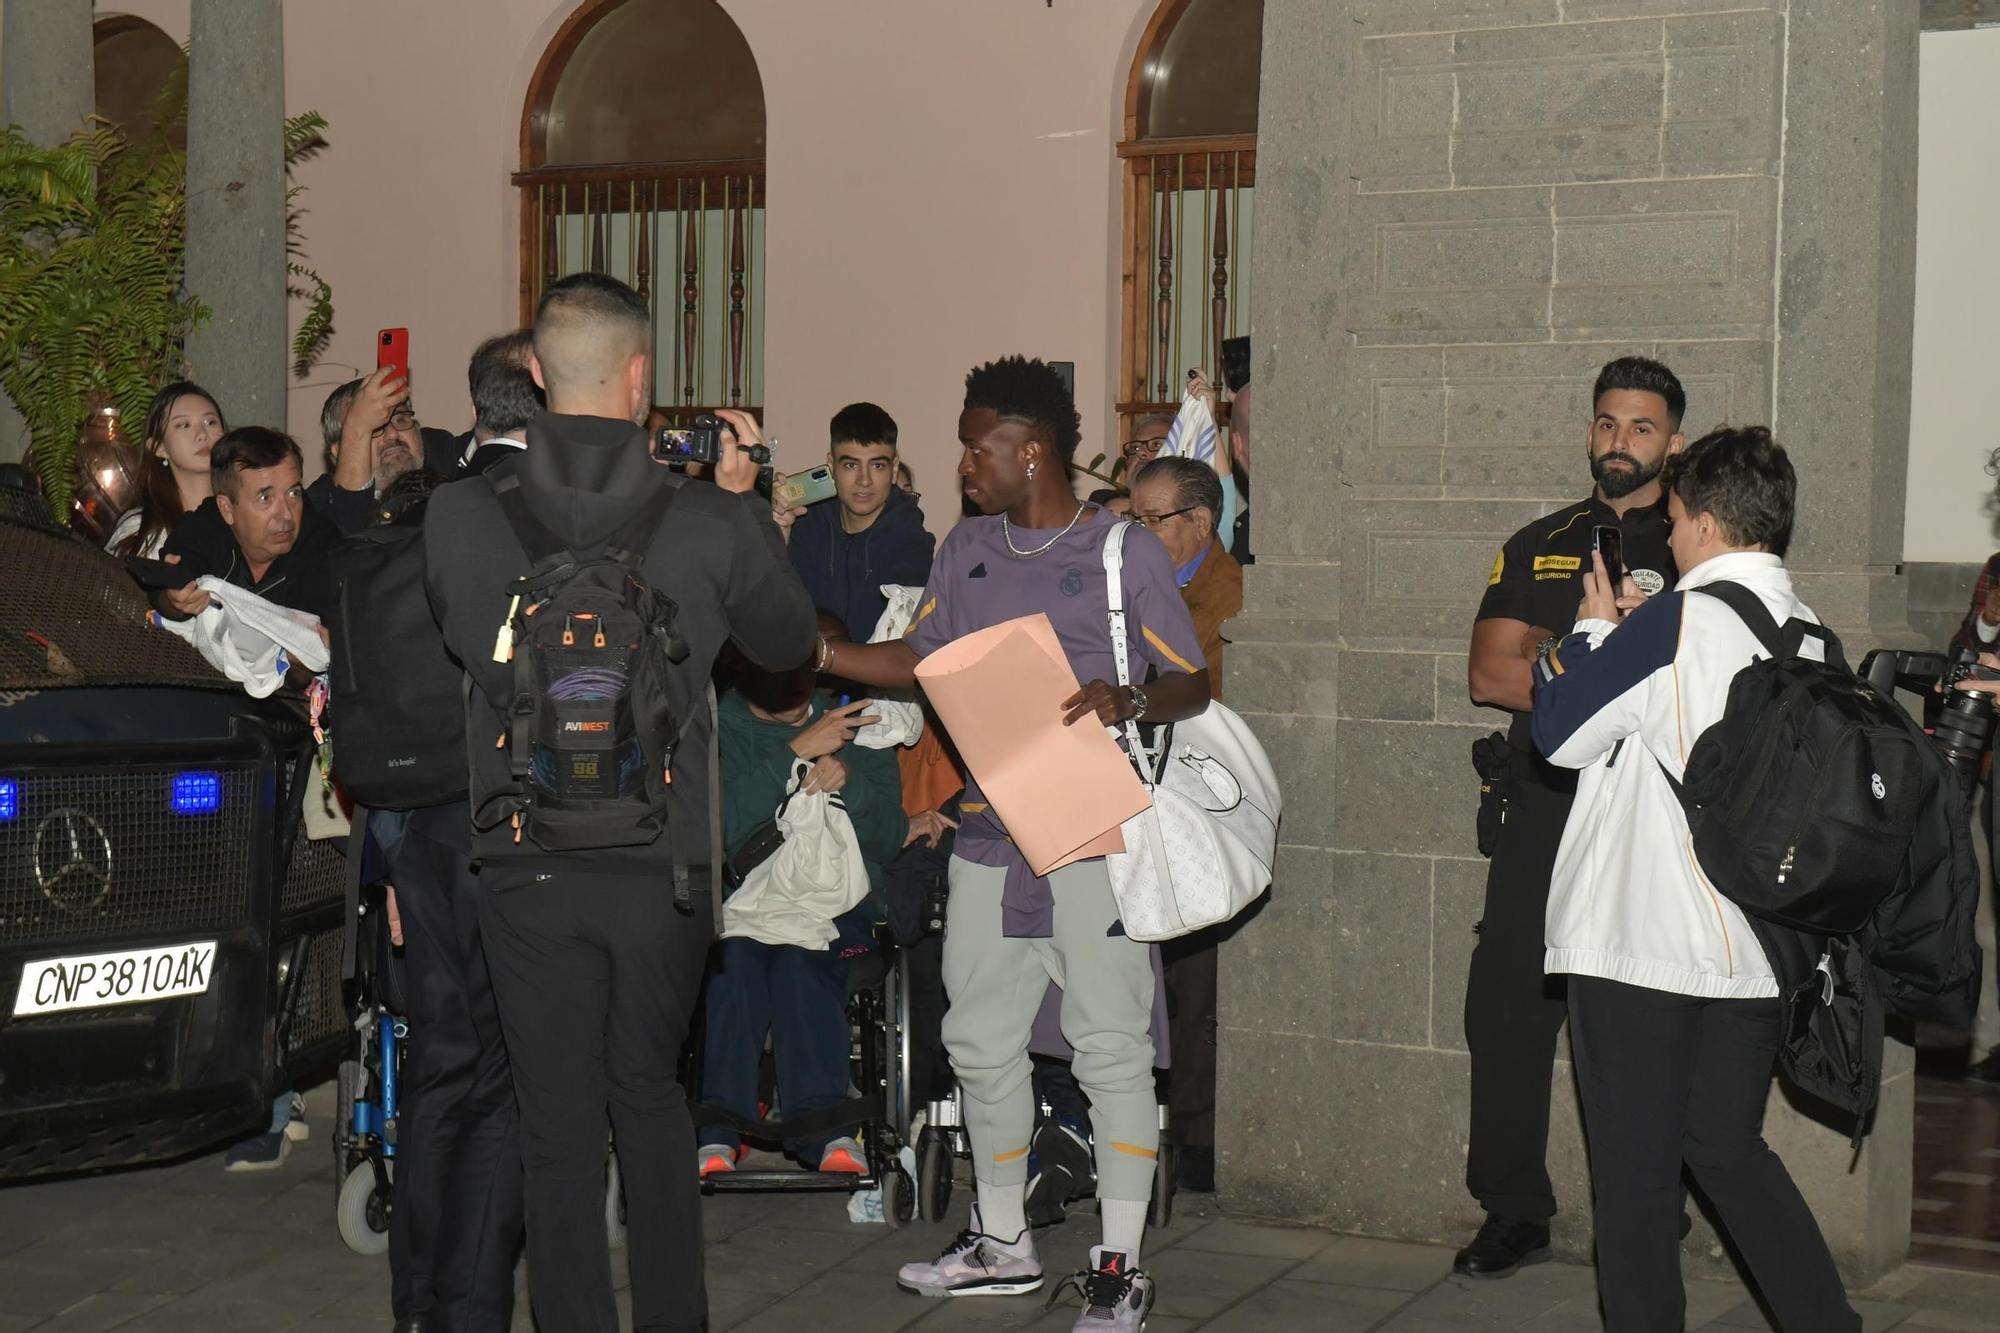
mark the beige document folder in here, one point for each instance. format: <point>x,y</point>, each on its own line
<point>1063,792</point>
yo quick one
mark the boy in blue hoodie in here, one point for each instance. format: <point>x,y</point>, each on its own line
<point>872,532</point>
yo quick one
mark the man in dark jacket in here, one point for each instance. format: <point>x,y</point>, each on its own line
<point>504,400</point>
<point>872,534</point>
<point>372,424</point>
<point>256,531</point>
<point>595,964</point>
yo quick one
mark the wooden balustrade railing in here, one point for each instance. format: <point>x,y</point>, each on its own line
<point>1185,201</point>
<point>641,223</point>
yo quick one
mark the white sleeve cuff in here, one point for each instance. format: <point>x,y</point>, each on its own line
<point>1595,630</point>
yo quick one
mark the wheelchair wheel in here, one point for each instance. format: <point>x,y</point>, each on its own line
<point>614,1204</point>
<point>899,1197</point>
<point>934,1163</point>
<point>347,1081</point>
<point>902,1052</point>
<point>1162,1210</point>
<point>363,1212</point>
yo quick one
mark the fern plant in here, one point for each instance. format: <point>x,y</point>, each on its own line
<point>93,299</point>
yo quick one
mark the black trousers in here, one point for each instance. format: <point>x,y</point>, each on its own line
<point>1191,985</point>
<point>1513,1014</point>
<point>1670,1079</point>
<point>597,977</point>
<point>456,1230</point>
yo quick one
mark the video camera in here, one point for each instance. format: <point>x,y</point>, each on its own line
<point>1961,722</point>
<point>700,443</point>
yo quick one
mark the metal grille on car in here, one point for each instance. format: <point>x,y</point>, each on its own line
<point>317,875</point>
<point>93,853</point>
<point>320,1013</point>
<point>71,615</point>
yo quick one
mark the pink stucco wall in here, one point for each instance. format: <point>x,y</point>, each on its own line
<point>942,173</point>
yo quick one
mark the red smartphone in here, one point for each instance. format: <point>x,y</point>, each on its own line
<point>392,348</point>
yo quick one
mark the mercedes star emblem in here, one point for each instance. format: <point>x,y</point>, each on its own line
<point>72,859</point>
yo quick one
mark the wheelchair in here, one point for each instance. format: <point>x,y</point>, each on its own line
<point>367,1093</point>
<point>878,1110</point>
<point>366,1100</point>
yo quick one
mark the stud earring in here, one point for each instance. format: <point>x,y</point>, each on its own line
<point>1031,472</point>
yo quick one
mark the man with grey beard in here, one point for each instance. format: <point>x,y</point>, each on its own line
<point>372,437</point>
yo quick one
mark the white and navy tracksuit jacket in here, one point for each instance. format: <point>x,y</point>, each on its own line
<point>1627,902</point>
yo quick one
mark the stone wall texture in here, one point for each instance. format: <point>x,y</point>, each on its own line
<point>1465,208</point>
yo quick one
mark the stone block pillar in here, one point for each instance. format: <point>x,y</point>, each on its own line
<point>236,205</point>
<point>48,87</point>
<point>1465,207</point>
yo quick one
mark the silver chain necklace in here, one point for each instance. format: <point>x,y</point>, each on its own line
<point>1007,531</point>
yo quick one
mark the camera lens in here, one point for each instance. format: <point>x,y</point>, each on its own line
<point>1963,730</point>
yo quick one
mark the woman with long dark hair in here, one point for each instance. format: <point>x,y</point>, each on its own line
<point>183,423</point>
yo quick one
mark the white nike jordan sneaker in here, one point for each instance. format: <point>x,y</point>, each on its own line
<point>976,1264</point>
<point>1116,1296</point>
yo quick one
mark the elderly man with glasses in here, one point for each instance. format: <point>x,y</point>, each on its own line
<point>372,437</point>
<point>1180,500</point>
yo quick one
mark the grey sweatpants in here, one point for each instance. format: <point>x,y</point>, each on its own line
<point>996,984</point>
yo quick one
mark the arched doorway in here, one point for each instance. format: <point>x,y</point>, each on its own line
<point>1190,154</point>
<point>132,63</point>
<point>642,156</point>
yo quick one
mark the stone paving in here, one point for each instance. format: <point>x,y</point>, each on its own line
<point>188,1247</point>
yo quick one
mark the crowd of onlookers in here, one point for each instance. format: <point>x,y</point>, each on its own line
<point>555,984</point>
<point>811,765</point>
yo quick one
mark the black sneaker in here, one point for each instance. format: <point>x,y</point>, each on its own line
<point>1064,1170</point>
<point>1502,1247</point>
<point>1985,1071</point>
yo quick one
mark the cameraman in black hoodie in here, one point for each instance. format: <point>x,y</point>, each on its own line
<point>595,969</point>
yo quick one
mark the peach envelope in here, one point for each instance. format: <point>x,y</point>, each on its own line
<point>1063,792</point>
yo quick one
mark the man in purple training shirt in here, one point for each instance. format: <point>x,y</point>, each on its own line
<point>1009,933</point>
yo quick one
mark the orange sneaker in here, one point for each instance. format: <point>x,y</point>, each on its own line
<point>713,1157</point>
<point>845,1157</point>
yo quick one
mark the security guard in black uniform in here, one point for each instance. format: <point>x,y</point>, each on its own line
<point>1512,1010</point>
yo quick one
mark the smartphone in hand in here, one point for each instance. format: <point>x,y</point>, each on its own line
<point>805,488</point>
<point>158,574</point>
<point>392,349</point>
<point>1609,543</point>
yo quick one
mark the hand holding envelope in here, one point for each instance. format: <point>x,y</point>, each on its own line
<point>1062,791</point>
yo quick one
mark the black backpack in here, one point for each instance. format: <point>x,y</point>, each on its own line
<point>1821,809</point>
<point>590,733</point>
<point>398,698</point>
<point>1803,799</point>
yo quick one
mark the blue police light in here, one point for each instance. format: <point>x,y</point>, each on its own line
<point>10,799</point>
<point>197,793</point>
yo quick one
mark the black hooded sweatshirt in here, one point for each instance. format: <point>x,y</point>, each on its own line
<point>844,572</point>
<point>717,555</point>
